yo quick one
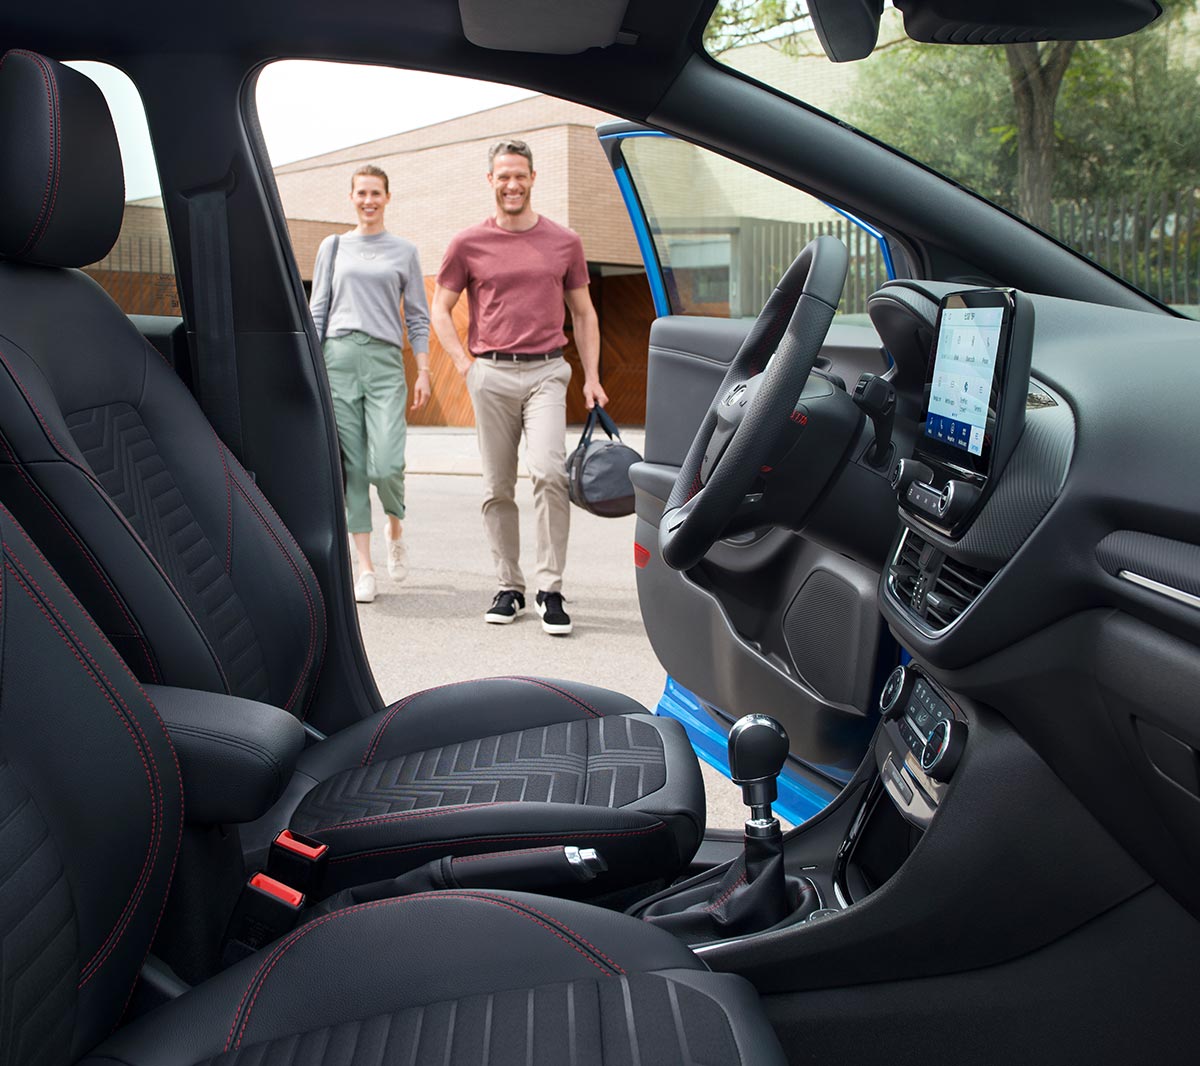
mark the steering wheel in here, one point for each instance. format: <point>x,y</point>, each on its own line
<point>752,408</point>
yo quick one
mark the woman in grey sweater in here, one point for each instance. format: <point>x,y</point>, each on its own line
<point>358,319</point>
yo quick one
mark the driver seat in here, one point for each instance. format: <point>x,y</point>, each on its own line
<point>108,461</point>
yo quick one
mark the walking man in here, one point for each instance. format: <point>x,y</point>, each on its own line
<point>518,268</point>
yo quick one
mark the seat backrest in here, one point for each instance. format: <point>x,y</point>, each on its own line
<point>91,809</point>
<point>105,457</point>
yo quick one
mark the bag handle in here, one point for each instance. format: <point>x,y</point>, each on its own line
<point>598,414</point>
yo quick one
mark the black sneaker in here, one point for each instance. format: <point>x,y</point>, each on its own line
<point>555,620</point>
<point>505,607</point>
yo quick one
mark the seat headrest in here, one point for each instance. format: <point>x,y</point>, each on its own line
<point>61,183</point>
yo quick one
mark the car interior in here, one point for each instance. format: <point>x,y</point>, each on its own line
<point>942,561</point>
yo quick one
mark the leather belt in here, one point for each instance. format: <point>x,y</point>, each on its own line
<point>520,357</point>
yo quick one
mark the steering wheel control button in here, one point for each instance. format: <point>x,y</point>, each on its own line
<point>891,701</point>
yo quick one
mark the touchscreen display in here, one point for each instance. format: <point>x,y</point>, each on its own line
<point>960,391</point>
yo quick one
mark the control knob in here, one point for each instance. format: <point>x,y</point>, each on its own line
<point>944,748</point>
<point>894,697</point>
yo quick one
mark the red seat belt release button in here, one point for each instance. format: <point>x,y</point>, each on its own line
<point>298,860</point>
<point>265,911</point>
<point>278,889</point>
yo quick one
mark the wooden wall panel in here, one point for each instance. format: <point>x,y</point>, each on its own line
<point>625,310</point>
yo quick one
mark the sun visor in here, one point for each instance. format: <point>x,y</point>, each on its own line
<point>560,27</point>
<point>1019,21</point>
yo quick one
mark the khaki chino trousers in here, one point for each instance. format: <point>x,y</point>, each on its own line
<point>511,399</point>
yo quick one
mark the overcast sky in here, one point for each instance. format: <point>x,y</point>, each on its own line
<point>307,108</point>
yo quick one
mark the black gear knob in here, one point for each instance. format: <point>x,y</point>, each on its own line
<point>758,748</point>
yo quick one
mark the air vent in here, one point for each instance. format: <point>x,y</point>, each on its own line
<point>935,588</point>
<point>956,587</point>
<point>906,570</point>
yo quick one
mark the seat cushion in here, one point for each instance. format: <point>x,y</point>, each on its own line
<point>502,763</point>
<point>461,977</point>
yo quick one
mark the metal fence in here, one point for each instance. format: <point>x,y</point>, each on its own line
<point>1151,240</point>
<point>767,247</point>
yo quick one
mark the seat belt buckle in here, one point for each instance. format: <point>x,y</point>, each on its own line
<point>298,860</point>
<point>266,910</point>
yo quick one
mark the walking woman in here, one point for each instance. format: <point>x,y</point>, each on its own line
<point>357,314</point>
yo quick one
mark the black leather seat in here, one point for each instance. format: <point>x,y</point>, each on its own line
<point>90,821</point>
<point>111,465</point>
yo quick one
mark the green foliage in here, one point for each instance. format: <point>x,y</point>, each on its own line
<point>1126,116</point>
<point>738,22</point>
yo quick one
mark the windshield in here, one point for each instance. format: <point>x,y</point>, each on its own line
<point>1095,143</point>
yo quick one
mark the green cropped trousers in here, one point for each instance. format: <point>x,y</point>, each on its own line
<point>370,398</point>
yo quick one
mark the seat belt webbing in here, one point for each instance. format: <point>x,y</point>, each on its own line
<point>216,351</point>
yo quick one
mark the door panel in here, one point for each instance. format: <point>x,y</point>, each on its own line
<point>775,621</point>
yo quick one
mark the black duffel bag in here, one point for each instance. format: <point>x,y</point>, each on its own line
<point>598,470</point>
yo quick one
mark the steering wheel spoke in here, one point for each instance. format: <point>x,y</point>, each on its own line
<point>714,493</point>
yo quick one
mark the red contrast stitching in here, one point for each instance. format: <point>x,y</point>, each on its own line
<point>573,940</point>
<point>558,691</point>
<point>149,766</point>
<point>399,705</point>
<point>91,477</point>
<point>504,854</point>
<point>732,889</point>
<point>319,658</point>
<point>369,754</point>
<point>55,149</point>
<point>408,816</point>
<point>573,835</point>
<point>134,629</point>
<point>149,703</point>
<point>308,601</point>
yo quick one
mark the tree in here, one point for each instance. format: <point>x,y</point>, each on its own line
<point>994,118</point>
<point>1035,74</point>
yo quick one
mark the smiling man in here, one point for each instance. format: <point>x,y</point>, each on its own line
<point>518,268</point>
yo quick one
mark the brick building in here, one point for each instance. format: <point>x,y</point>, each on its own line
<point>708,210</point>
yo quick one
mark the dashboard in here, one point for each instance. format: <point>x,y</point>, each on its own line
<point>1060,585</point>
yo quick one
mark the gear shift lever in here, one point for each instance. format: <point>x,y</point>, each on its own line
<point>754,893</point>
<point>758,748</point>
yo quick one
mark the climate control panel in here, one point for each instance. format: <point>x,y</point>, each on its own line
<point>921,743</point>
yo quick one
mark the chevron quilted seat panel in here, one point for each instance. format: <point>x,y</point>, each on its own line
<point>606,1022</point>
<point>123,456</point>
<point>601,762</point>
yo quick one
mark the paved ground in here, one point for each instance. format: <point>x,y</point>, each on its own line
<point>430,629</point>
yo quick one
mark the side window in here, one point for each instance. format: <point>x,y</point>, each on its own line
<point>139,272</point>
<point>725,233</point>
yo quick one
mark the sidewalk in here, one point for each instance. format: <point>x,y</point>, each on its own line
<point>430,631</point>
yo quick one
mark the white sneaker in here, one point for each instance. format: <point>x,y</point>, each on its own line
<point>397,558</point>
<point>364,587</point>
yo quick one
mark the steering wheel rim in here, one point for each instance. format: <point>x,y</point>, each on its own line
<point>782,346</point>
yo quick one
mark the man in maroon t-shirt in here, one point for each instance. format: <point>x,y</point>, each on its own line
<point>518,267</point>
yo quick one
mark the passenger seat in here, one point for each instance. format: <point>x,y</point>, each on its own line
<point>90,818</point>
<point>108,461</point>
